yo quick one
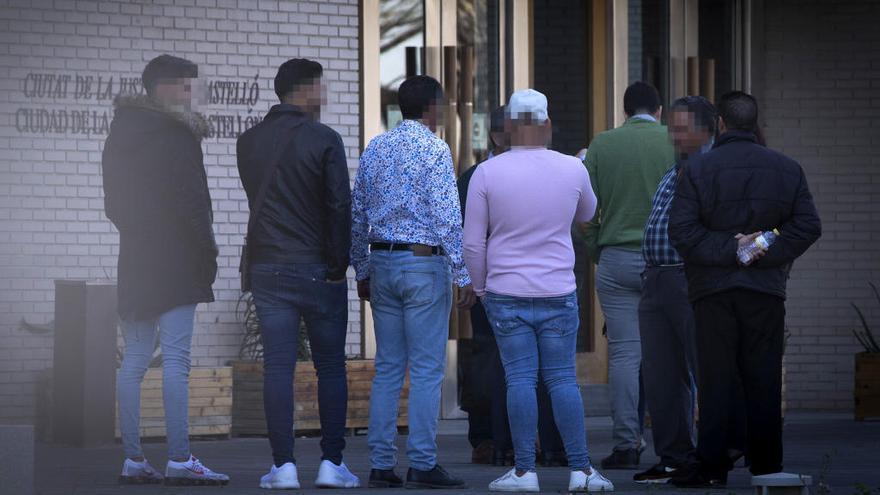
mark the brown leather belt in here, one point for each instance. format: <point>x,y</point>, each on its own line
<point>416,249</point>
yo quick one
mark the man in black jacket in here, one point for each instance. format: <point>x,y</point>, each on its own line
<point>740,187</point>
<point>156,194</point>
<point>298,249</point>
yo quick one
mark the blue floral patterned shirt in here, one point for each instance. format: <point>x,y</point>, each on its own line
<point>405,192</point>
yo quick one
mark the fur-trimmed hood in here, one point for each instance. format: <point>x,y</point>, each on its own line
<point>195,122</point>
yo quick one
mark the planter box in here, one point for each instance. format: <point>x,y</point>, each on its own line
<point>210,403</point>
<point>867,385</point>
<point>248,416</point>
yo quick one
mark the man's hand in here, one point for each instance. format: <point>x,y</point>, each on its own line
<point>364,289</point>
<point>466,297</point>
<point>743,241</point>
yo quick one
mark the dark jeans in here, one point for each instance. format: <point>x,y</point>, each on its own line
<point>487,411</point>
<point>740,333</point>
<point>284,294</point>
<point>666,324</point>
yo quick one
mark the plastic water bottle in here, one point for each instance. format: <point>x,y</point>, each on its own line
<point>763,242</point>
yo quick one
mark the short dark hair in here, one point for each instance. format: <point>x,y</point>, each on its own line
<point>167,67</point>
<point>416,94</point>
<point>496,120</point>
<point>739,111</point>
<point>296,72</point>
<point>703,110</point>
<point>640,96</point>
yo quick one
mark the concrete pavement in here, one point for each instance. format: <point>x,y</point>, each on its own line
<point>832,448</point>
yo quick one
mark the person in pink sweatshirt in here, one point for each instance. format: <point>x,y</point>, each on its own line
<point>518,250</point>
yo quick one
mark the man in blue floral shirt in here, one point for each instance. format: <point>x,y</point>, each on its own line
<point>406,250</point>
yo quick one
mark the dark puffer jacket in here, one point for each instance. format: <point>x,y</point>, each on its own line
<point>156,194</point>
<point>741,187</point>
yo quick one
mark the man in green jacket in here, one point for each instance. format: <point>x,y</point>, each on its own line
<point>625,166</point>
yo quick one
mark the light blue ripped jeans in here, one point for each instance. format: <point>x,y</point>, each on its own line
<point>174,330</point>
<point>539,334</point>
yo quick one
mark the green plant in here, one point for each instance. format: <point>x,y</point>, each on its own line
<point>251,347</point>
<point>865,336</point>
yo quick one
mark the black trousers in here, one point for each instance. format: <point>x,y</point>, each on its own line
<point>666,326</point>
<point>484,384</point>
<point>740,333</point>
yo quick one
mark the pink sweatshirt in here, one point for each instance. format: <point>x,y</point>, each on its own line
<point>517,229</point>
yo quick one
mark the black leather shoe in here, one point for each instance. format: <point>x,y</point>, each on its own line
<point>435,478</point>
<point>622,459</point>
<point>699,479</point>
<point>384,478</point>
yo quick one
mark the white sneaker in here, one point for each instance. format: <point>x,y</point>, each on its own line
<point>139,473</point>
<point>281,478</point>
<point>192,472</point>
<point>332,476</point>
<point>595,482</point>
<point>510,482</point>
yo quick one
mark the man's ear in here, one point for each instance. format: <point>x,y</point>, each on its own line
<point>722,127</point>
<point>658,113</point>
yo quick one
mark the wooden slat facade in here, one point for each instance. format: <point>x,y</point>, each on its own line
<point>867,386</point>
<point>248,417</point>
<point>210,403</point>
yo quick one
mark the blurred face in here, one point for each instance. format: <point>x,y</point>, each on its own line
<point>176,94</point>
<point>686,135</point>
<point>315,95</point>
<point>435,116</point>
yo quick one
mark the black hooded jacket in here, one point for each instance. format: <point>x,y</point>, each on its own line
<point>156,194</point>
<point>741,187</point>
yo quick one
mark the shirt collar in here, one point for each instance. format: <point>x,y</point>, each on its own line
<point>644,116</point>
<point>414,125</point>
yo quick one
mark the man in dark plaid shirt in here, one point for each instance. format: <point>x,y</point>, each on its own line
<point>666,320</point>
<point>656,248</point>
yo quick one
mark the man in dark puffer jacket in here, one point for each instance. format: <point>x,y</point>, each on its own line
<point>737,188</point>
<point>156,194</point>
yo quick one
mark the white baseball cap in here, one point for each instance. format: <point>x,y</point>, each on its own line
<point>528,102</point>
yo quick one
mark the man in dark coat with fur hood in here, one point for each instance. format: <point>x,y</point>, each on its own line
<point>156,194</point>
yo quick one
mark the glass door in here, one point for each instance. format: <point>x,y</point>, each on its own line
<point>458,42</point>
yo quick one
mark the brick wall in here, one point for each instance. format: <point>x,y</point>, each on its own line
<point>820,95</point>
<point>52,224</point>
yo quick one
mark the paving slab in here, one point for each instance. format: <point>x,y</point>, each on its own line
<point>17,459</point>
<point>834,450</point>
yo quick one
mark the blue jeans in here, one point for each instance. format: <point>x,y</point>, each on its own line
<point>540,334</point>
<point>411,297</point>
<point>619,287</point>
<point>175,329</point>
<point>283,294</point>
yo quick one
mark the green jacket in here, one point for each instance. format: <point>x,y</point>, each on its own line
<point>625,166</point>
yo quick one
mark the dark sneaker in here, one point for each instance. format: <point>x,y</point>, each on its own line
<point>622,459</point>
<point>657,474</point>
<point>699,479</point>
<point>435,478</point>
<point>384,478</point>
